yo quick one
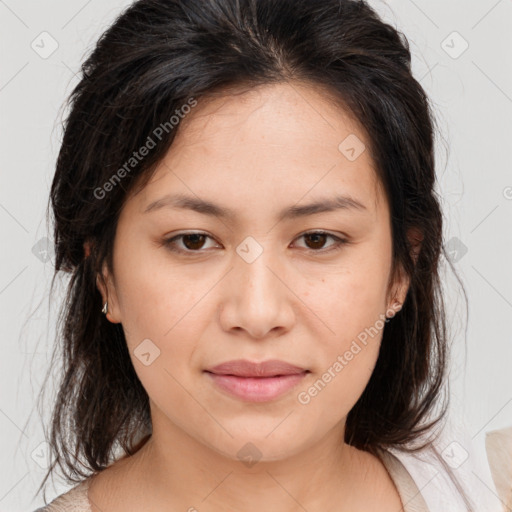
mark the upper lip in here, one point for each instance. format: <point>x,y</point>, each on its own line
<point>245,368</point>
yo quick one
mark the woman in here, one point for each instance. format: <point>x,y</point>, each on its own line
<point>244,198</point>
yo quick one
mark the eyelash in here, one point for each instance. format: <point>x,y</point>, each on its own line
<point>339,242</point>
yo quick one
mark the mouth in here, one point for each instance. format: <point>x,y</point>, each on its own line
<point>256,382</point>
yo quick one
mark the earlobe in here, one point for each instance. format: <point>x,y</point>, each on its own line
<point>400,290</point>
<point>402,281</point>
<point>106,288</point>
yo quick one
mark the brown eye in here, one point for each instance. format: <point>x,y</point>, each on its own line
<point>190,242</point>
<point>194,241</point>
<point>315,241</point>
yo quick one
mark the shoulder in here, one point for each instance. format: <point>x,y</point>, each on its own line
<point>74,500</point>
<point>408,490</point>
<point>498,447</point>
<point>429,476</point>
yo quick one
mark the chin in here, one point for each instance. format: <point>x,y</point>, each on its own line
<point>264,441</point>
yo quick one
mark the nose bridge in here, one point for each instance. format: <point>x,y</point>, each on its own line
<point>256,295</point>
<point>256,266</point>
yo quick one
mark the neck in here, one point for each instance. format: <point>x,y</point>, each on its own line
<point>184,473</point>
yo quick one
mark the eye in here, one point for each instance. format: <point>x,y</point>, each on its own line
<point>318,238</point>
<point>194,242</point>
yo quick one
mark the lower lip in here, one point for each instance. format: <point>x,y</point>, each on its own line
<point>256,389</point>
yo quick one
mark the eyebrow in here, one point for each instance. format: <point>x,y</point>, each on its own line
<point>292,212</point>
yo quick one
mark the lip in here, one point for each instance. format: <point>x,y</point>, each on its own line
<point>256,382</point>
<point>245,368</point>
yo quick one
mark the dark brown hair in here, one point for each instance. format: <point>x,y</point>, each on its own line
<point>155,57</point>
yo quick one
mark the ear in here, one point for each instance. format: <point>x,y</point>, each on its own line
<point>401,279</point>
<point>106,287</point>
<point>415,237</point>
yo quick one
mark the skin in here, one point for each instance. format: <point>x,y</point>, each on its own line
<point>257,152</point>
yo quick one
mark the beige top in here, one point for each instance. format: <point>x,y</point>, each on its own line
<point>498,444</point>
<point>76,500</point>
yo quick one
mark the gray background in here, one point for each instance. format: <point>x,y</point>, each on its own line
<point>472,94</point>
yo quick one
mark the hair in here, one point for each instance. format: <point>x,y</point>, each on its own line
<point>156,58</point>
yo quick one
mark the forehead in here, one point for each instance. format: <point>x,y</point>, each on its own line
<point>279,112</point>
<point>277,140</point>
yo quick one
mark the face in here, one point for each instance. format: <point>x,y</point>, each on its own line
<point>259,276</point>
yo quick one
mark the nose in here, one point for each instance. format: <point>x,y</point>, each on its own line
<point>257,297</point>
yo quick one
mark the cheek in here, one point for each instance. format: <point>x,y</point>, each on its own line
<point>352,309</point>
<point>351,299</point>
<point>351,306</point>
<point>161,314</point>
<point>155,298</point>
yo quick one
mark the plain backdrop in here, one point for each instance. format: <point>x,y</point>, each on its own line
<point>462,54</point>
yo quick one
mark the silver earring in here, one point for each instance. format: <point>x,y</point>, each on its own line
<point>105,308</point>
